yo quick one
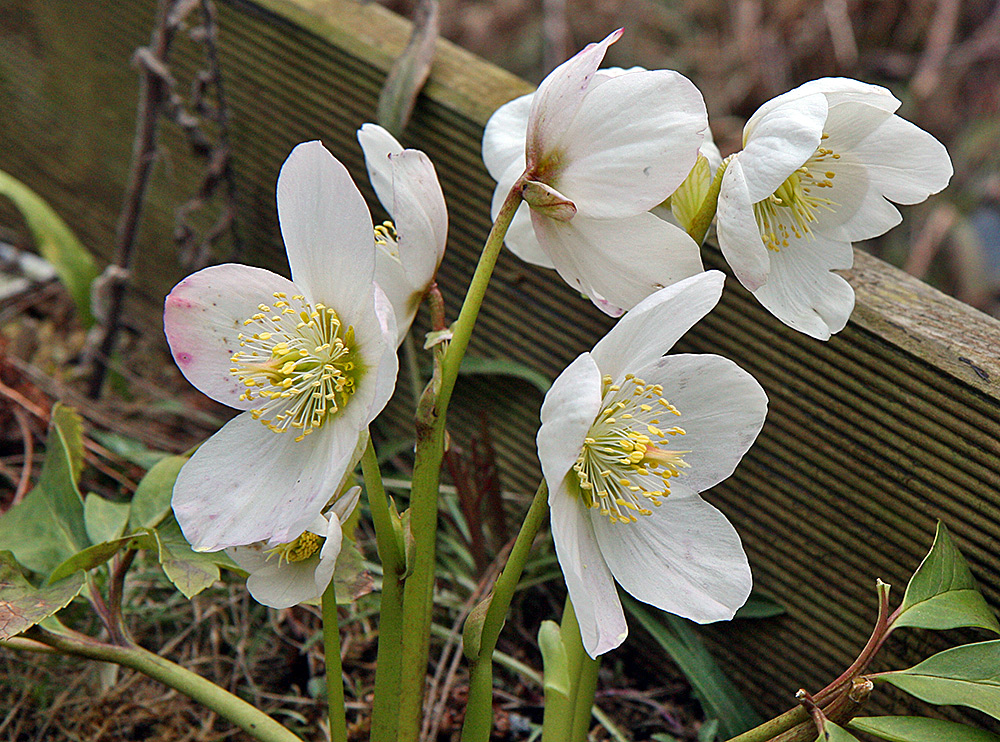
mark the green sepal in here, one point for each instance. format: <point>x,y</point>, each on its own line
<point>686,201</point>
<point>103,519</point>
<point>47,526</point>
<point>965,676</point>
<point>942,593</point>
<point>554,661</point>
<point>920,729</point>
<point>22,605</point>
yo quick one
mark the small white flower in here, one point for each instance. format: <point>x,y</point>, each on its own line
<point>628,440</point>
<point>310,361</point>
<point>287,574</point>
<point>409,250</point>
<point>599,149</point>
<point>818,170</point>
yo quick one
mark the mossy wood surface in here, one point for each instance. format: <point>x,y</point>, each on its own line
<point>870,437</point>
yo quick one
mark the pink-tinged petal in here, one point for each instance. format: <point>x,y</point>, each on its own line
<point>722,411</point>
<point>588,580</point>
<point>739,235</point>
<point>558,98</point>
<point>633,141</point>
<point>377,145</point>
<point>247,483</point>
<point>621,261</point>
<point>420,214</point>
<point>685,558</point>
<point>904,162</point>
<point>803,293</point>
<point>836,90</point>
<point>652,327</point>
<point>327,229</point>
<point>780,142</point>
<point>568,411</point>
<point>505,135</point>
<point>203,316</point>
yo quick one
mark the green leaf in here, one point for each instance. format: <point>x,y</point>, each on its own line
<point>709,731</point>
<point>720,698</point>
<point>967,676</point>
<point>22,605</point>
<point>942,593</point>
<point>833,733</point>
<point>151,501</point>
<point>760,606</point>
<point>191,571</point>
<point>47,526</point>
<point>92,556</point>
<point>475,365</point>
<point>56,242</point>
<point>104,520</point>
<point>472,632</point>
<point>129,448</point>
<point>920,729</point>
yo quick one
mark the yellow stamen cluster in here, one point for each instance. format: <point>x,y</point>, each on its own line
<point>298,361</point>
<point>385,235</point>
<point>623,466</point>
<point>791,210</point>
<point>298,550</point>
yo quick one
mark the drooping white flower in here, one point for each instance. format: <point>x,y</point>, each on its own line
<point>411,247</point>
<point>310,362</point>
<point>818,170</point>
<point>598,150</point>
<point>298,571</point>
<point>628,440</point>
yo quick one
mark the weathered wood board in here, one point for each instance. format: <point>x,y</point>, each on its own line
<point>870,437</point>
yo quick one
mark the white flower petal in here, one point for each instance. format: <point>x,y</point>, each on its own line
<point>780,142</point>
<point>904,162</point>
<point>849,122</point>
<point>685,558</point>
<point>836,90</point>
<point>327,229</point>
<point>376,337</point>
<point>420,214</point>
<point>377,145</point>
<point>505,135</point>
<point>203,316</point>
<point>651,328</point>
<point>345,504</point>
<point>558,98</point>
<point>860,212</point>
<point>520,238</point>
<point>588,580</point>
<point>247,483</point>
<point>619,260</point>
<point>722,411</point>
<point>391,277</point>
<point>568,411</point>
<point>285,585</point>
<point>633,141</point>
<point>328,556</point>
<point>739,235</point>
<point>803,293</point>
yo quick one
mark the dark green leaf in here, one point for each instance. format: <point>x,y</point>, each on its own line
<point>760,606</point>
<point>709,731</point>
<point>56,242</point>
<point>129,448</point>
<point>967,676</point>
<point>92,556</point>
<point>104,520</point>
<point>151,501</point>
<point>833,733</point>
<point>942,593</point>
<point>47,527</point>
<point>920,729</point>
<point>720,698</point>
<point>191,571</point>
<point>22,605</point>
<point>473,365</point>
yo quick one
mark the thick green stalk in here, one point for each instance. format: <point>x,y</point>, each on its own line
<point>703,219</point>
<point>769,729</point>
<point>336,710</point>
<point>479,707</point>
<point>251,720</point>
<point>418,590</point>
<point>385,707</point>
<point>583,672</point>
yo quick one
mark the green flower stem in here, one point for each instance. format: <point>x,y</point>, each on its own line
<point>336,711</point>
<point>779,724</point>
<point>706,213</point>
<point>479,707</point>
<point>385,708</point>
<point>418,590</point>
<point>582,672</point>
<point>251,720</point>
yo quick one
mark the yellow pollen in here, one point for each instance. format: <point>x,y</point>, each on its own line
<point>298,550</point>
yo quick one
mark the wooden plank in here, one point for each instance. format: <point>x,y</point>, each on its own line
<point>872,436</point>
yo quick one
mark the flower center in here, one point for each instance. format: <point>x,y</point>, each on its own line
<point>299,361</point>
<point>791,210</point>
<point>387,239</point>
<point>623,465</point>
<point>298,550</point>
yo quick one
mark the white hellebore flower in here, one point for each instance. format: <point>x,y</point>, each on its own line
<point>628,440</point>
<point>596,150</point>
<point>310,362</point>
<point>818,169</point>
<point>409,250</point>
<point>299,571</point>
